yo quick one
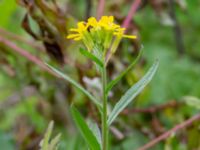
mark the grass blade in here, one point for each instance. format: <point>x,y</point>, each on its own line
<point>121,75</point>
<point>85,130</point>
<point>132,93</point>
<point>73,82</point>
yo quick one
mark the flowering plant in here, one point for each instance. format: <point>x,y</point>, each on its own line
<point>101,39</point>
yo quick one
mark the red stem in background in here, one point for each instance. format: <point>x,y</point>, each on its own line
<point>131,12</point>
<point>168,133</point>
<point>26,54</point>
<point>100,9</point>
<point>20,39</point>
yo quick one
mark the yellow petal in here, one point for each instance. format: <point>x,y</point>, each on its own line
<point>73,29</point>
<point>82,26</point>
<point>129,36</point>
<point>92,22</point>
<point>71,36</point>
<point>111,18</point>
<point>78,38</point>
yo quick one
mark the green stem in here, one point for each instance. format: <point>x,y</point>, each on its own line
<point>104,114</point>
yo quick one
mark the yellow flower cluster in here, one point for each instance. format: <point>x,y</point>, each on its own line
<point>103,32</point>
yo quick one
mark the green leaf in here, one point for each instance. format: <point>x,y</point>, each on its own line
<point>85,130</point>
<point>119,77</point>
<point>192,101</point>
<point>53,145</point>
<point>95,129</point>
<point>48,144</point>
<point>78,86</point>
<point>47,136</point>
<point>132,93</point>
<point>92,57</point>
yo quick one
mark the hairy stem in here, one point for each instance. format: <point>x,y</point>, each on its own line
<point>104,114</point>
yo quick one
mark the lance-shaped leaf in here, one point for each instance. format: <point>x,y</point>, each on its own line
<point>85,130</point>
<point>120,76</point>
<point>78,86</point>
<point>95,129</point>
<point>92,57</point>
<point>132,93</point>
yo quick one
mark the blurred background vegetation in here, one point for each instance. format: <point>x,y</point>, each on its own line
<point>30,96</point>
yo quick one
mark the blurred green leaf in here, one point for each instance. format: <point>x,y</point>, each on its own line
<point>46,143</point>
<point>7,7</point>
<point>85,130</point>
<point>192,101</point>
<point>54,142</point>
<point>132,93</point>
<point>47,135</point>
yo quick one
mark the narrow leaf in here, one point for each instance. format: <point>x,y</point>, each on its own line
<point>132,93</point>
<point>92,57</point>
<point>45,141</point>
<point>121,75</point>
<point>78,86</point>
<point>95,129</point>
<point>85,130</point>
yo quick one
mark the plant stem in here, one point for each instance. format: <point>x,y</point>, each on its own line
<point>104,114</point>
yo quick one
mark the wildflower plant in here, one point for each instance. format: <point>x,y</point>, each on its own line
<point>101,39</point>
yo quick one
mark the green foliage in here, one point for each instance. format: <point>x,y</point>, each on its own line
<point>67,78</point>
<point>96,131</point>
<point>122,74</point>
<point>192,101</point>
<point>176,77</point>
<point>92,57</point>
<point>132,93</point>
<point>47,143</point>
<point>9,8</point>
<point>85,130</point>
<point>179,70</point>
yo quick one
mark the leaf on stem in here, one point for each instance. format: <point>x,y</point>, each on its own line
<point>85,130</point>
<point>95,129</point>
<point>73,82</point>
<point>92,57</point>
<point>132,93</point>
<point>121,75</point>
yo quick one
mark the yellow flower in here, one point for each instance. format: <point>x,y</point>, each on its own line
<point>107,22</point>
<point>78,32</point>
<point>104,32</point>
<point>81,33</point>
<point>120,32</point>
<point>92,22</point>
